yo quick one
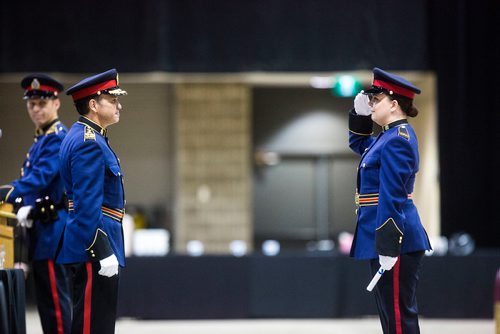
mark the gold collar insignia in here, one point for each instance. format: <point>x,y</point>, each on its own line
<point>89,134</point>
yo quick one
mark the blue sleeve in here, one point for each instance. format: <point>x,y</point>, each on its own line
<point>397,165</point>
<point>44,170</point>
<point>358,142</point>
<point>87,170</point>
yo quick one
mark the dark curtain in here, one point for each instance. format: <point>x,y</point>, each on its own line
<point>465,53</point>
<point>212,36</point>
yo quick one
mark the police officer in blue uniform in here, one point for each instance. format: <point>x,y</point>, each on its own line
<point>38,197</point>
<point>388,232</point>
<point>92,246</point>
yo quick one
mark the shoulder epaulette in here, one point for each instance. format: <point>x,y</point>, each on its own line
<point>88,134</point>
<point>403,132</point>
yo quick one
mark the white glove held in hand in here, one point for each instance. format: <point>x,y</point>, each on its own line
<point>361,105</point>
<point>387,262</point>
<point>22,216</point>
<point>109,266</point>
<point>24,266</point>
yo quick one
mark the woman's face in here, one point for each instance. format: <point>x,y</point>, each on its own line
<point>382,108</point>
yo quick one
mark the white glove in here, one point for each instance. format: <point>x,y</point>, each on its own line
<point>109,266</point>
<point>22,216</point>
<point>361,105</point>
<point>387,262</point>
<point>24,266</point>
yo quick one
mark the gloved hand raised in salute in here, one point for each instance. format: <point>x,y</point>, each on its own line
<point>361,105</point>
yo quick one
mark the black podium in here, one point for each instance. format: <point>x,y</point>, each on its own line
<point>12,302</point>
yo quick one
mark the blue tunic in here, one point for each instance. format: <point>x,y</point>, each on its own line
<point>39,178</point>
<point>93,180</point>
<point>385,181</point>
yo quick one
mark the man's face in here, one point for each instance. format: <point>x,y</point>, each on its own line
<point>108,110</point>
<point>42,111</point>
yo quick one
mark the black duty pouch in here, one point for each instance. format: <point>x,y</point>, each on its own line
<point>45,210</point>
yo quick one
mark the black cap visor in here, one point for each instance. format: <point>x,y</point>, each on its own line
<point>39,94</point>
<point>374,90</point>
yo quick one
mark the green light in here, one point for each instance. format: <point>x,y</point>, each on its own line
<point>346,86</point>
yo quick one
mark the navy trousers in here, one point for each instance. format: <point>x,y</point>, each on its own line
<point>395,294</point>
<point>95,299</point>
<point>52,296</point>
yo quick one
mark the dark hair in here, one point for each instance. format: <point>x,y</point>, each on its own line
<point>406,104</point>
<point>82,106</point>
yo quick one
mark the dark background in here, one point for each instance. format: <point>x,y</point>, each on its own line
<point>456,39</point>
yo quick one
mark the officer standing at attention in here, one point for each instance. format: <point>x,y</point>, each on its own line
<point>92,246</point>
<point>38,196</point>
<point>388,232</point>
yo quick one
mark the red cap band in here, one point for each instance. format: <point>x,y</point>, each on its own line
<point>93,89</point>
<point>396,89</point>
<point>43,87</point>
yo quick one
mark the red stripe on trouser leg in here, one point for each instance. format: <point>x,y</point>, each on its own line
<point>397,312</point>
<point>55,296</point>
<point>88,300</point>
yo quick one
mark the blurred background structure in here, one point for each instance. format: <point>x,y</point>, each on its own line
<point>234,133</point>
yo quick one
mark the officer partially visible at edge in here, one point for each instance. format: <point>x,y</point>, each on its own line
<point>389,232</point>
<point>38,199</point>
<point>92,247</point>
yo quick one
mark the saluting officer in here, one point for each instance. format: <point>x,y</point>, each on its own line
<point>388,232</point>
<point>92,245</point>
<point>40,192</point>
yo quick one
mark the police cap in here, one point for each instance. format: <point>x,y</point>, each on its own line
<point>384,81</point>
<point>39,85</point>
<point>102,83</point>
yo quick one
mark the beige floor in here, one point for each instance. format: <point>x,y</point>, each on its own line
<point>280,326</point>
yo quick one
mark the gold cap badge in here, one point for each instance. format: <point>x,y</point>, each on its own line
<point>35,84</point>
